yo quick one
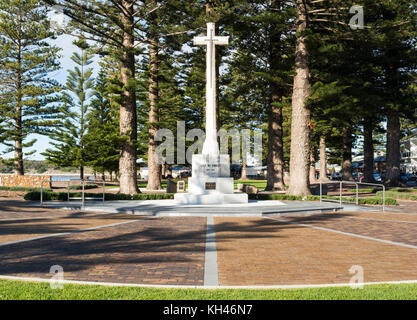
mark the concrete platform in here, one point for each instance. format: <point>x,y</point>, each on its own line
<point>171,208</point>
<point>216,198</point>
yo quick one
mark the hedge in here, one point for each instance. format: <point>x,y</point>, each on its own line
<point>261,196</point>
<point>369,200</point>
<point>86,187</point>
<point>20,189</point>
<point>403,190</point>
<point>63,196</point>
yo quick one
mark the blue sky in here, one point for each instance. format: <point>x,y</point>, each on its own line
<point>65,43</point>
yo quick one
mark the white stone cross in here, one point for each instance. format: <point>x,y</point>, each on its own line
<point>211,146</point>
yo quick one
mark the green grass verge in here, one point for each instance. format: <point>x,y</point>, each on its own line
<point>260,184</point>
<point>19,290</point>
<point>399,195</point>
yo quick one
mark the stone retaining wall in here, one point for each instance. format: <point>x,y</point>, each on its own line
<point>28,181</point>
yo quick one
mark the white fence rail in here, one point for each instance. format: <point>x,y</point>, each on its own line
<point>341,183</point>
<point>83,198</point>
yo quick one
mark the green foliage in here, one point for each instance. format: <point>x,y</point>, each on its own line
<point>63,196</point>
<point>21,189</point>
<point>261,196</point>
<point>102,139</point>
<point>86,187</point>
<point>403,190</point>
<point>28,97</point>
<point>70,150</point>
<point>362,201</point>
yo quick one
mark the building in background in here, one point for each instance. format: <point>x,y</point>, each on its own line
<point>409,155</point>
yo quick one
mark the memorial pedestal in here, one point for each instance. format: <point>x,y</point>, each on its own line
<point>210,183</point>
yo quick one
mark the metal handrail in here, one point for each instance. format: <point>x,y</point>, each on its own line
<point>357,190</point>
<point>42,182</point>
<point>83,189</point>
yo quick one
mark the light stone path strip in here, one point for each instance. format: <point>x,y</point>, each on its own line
<point>66,233</point>
<point>173,286</point>
<point>344,233</point>
<point>211,275</point>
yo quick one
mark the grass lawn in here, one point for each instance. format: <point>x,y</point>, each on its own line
<point>260,184</point>
<point>41,291</point>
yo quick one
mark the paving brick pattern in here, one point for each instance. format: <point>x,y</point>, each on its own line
<point>150,251</point>
<point>15,230</point>
<point>18,209</point>
<point>408,206</point>
<point>250,251</point>
<point>386,230</point>
<point>266,252</point>
<point>386,216</point>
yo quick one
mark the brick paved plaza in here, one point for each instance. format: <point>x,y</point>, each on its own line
<point>280,250</point>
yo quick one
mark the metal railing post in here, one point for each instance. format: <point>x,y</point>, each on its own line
<point>41,193</point>
<point>321,191</point>
<point>340,190</point>
<point>383,198</point>
<point>357,194</point>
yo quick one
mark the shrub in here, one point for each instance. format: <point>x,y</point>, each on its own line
<point>261,196</point>
<point>403,190</point>
<point>63,196</point>
<point>369,200</point>
<point>21,189</point>
<point>86,187</point>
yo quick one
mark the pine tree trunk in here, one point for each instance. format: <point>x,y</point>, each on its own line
<point>82,173</point>
<point>312,177</point>
<point>128,113</point>
<point>169,170</point>
<point>300,130</point>
<point>18,144</point>
<point>275,162</point>
<point>275,158</point>
<point>368,152</point>
<point>243,175</point>
<point>393,148</point>
<point>154,168</point>
<point>347,167</point>
<point>323,160</point>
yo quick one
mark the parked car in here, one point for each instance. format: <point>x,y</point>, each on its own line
<point>357,176</point>
<point>411,180</point>
<point>377,177</point>
<point>181,172</point>
<point>336,176</point>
